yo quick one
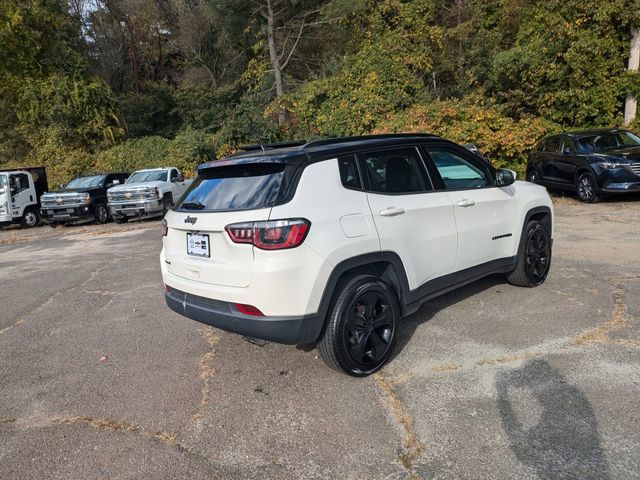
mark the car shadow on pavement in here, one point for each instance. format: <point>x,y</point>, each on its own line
<point>429,309</point>
<point>564,442</point>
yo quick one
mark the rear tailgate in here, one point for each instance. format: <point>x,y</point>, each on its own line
<point>197,246</point>
<point>229,264</point>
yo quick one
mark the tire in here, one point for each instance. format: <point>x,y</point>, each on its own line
<point>167,203</point>
<point>586,186</point>
<point>30,219</point>
<point>534,260</point>
<point>102,214</point>
<point>120,220</point>
<point>532,176</point>
<point>362,327</point>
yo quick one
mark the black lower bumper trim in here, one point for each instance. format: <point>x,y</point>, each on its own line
<point>291,330</point>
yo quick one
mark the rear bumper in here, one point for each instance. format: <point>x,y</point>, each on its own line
<point>292,330</point>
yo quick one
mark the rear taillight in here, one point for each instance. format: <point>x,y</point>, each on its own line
<point>164,227</point>
<point>271,235</point>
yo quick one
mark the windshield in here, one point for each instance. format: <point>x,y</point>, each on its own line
<point>3,184</point>
<point>148,176</point>
<point>236,187</point>
<point>86,182</point>
<point>608,141</point>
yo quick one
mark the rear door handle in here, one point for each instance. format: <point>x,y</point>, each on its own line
<point>466,203</point>
<point>391,211</point>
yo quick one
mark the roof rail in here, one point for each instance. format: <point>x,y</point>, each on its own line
<point>331,141</point>
<point>271,146</point>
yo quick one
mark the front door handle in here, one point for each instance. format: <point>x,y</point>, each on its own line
<point>391,211</point>
<point>466,203</point>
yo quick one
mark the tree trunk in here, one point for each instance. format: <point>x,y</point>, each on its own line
<point>275,61</point>
<point>631,102</point>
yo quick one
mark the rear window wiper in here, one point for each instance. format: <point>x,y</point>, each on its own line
<point>193,205</point>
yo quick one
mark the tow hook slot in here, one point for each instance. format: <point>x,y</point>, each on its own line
<point>256,341</point>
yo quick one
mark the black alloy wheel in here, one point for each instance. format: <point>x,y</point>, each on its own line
<point>537,255</point>
<point>586,188</point>
<point>362,328</point>
<point>369,328</point>
<point>102,214</point>
<point>534,256</point>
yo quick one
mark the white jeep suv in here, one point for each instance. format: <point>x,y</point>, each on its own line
<point>332,242</point>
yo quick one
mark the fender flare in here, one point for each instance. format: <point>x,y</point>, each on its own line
<point>530,213</point>
<point>397,277</point>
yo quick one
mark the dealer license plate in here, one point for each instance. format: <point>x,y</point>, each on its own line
<point>198,245</point>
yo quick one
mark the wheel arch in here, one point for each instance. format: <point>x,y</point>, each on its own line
<point>384,265</point>
<point>542,214</point>
<point>585,169</point>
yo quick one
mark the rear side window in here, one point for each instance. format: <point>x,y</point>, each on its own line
<point>235,187</point>
<point>395,171</point>
<point>551,145</point>
<point>349,172</point>
<point>566,146</point>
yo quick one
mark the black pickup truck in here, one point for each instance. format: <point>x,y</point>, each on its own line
<point>82,199</point>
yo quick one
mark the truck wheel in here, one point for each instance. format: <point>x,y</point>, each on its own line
<point>31,218</point>
<point>167,203</point>
<point>362,326</point>
<point>535,259</point>
<point>102,214</point>
<point>120,220</point>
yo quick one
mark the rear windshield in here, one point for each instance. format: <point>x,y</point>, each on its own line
<point>236,187</point>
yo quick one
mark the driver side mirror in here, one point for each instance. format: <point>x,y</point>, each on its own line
<point>505,177</point>
<point>179,178</point>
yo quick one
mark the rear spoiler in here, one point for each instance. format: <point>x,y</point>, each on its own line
<point>272,146</point>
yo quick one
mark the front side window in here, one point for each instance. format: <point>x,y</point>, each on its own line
<point>174,174</point>
<point>457,172</point>
<point>19,182</point>
<point>394,171</point>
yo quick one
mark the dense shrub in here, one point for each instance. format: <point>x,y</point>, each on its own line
<point>203,107</point>
<point>503,140</point>
<point>186,151</point>
<point>134,154</point>
<point>189,149</point>
<point>151,111</point>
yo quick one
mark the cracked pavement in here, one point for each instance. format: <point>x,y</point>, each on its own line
<point>99,379</point>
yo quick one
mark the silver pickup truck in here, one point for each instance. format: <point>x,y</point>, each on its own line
<point>146,193</point>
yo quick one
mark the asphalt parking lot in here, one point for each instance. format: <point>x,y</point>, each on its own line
<point>99,379</point>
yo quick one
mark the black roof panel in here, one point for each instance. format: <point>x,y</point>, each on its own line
<point>298,152</point>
